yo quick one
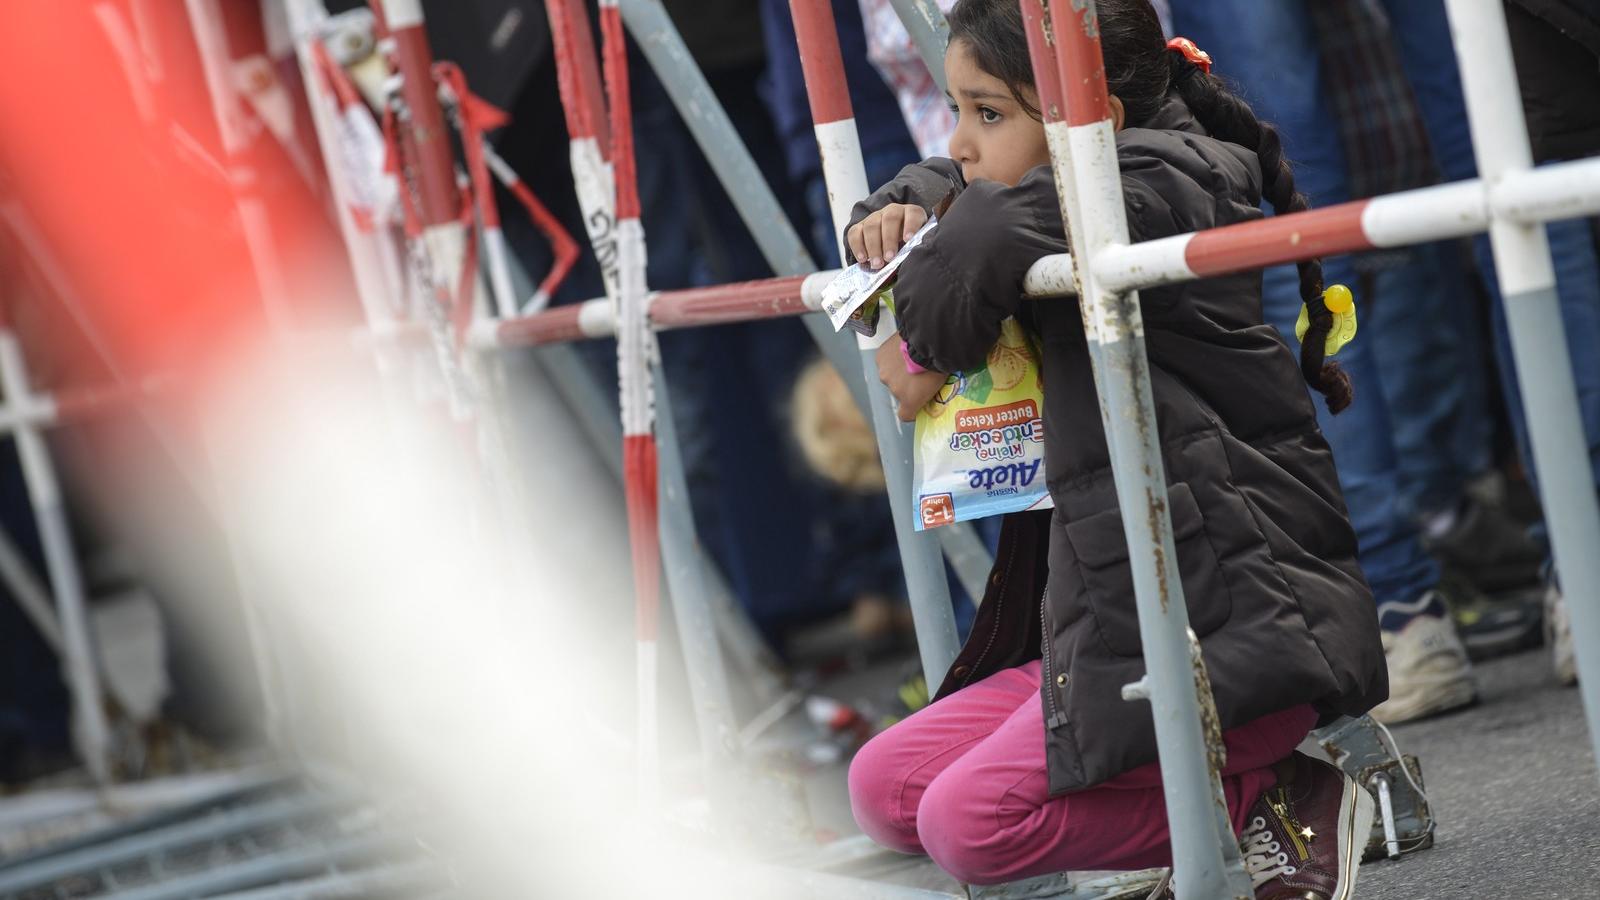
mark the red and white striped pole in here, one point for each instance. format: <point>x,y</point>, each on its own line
<point>635,353</point>
<point>578,74</point>
<point>1525,197</point>
<point>1053,110</point>
<point>1205,852</point>
<point>719,304</point>
<point>352,153</point>
<point>441,247</point>
<point>472,118</point>
<point>605,202</point>
<point>1563,190</point>
<point>832,117</point>
<point>494,245</point>
<point>433,163</point>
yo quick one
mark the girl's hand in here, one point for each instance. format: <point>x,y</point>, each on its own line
<point>911,391</point>
<point>877,238</point>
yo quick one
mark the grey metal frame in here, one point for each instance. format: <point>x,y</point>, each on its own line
<point>29,591</point>
<point>925,22</point>
<point>39,874</point>
<point>285,864</point>
<point>688,591</point>
<point>1538,338</point>
<point>398,879</point>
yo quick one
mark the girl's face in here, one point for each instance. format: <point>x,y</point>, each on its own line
<point>995,138</point>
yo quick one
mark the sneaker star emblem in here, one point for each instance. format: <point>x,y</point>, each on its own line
<point>1308,834</point>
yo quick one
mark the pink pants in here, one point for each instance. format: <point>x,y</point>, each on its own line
<point>964,781</point>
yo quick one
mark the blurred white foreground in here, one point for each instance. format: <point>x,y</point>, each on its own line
<point>412,644</point>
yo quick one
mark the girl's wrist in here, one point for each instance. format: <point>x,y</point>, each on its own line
<point>912,368</point>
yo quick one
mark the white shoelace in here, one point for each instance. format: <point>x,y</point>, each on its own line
<point>1264,858</point>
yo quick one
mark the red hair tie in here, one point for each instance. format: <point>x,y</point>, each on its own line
<point>1193,54</point>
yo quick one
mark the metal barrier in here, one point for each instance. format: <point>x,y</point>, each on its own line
<point>1070,77</point>
<point>1510,200</point>
<point>26,413</point>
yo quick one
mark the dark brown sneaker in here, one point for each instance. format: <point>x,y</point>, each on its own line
<point>1306,833</point>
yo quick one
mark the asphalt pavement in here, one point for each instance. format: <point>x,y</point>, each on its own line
<point>1515,794</point>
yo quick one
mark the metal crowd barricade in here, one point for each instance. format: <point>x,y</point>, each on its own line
<point>1510,200</point>
<point>24,414</point>
<point>780,246</point>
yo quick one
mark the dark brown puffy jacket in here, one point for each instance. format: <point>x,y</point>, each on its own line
<point>1266,551</point>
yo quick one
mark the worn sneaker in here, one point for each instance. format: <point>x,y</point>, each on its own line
<point>1428,668</point>
<point>1558,634</point>
<point>1491,626</point>
<point>1306,833</point>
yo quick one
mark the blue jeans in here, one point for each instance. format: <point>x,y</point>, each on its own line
<point>1269,52</point>
<point>1423,324</point>
<point>1423,33</point>
<point>1572,248</point>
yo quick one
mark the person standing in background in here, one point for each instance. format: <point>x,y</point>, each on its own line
<point>1556,47</point>
<point>730,384</point>
<point>1558,74</point>
<point>1422,435</point>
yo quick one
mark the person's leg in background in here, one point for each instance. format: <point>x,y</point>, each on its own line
<point>1424,325</point>
<point>859,531</point>
<point>1269,53</point>
<point>1472,533</point>
<point>1423,32</point>
<point>1572,248</point>
<point>1427,340</point>
<point>1422,320</point>
<point>746,372</point>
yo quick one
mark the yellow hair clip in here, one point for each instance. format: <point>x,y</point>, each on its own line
<point>1342,304</point>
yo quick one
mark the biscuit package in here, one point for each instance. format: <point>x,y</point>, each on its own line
<point>979,445</point>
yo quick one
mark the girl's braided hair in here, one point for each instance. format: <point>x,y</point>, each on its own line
<point>1142,72</point>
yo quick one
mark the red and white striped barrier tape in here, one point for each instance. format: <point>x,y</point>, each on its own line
<point>565,249</point>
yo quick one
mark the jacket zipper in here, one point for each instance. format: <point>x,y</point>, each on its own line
<point>1055,718</point>
<point>999,609</point>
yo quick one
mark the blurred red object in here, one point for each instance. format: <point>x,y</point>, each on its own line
<point>119,202</point>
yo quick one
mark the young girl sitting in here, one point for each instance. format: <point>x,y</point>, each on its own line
<point>1029,761</point>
